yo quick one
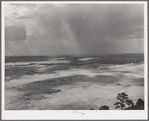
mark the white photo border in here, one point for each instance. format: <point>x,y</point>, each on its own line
<point>69,114</point>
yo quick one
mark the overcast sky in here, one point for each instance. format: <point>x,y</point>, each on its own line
<point>73,29</point>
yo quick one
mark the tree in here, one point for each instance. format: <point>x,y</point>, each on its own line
<point>123,100</point>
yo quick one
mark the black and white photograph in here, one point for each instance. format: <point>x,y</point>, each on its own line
<point>80,57</point>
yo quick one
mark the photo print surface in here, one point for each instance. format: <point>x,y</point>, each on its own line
<point>74,56</point>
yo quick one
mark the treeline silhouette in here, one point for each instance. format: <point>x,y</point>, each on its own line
<point>124,103</point>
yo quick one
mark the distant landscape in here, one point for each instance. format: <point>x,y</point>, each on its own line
<point>71,82</point>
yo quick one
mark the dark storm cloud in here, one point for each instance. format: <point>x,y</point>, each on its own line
<point>98,29</point>
<point>55,29</point>
<point>114,21</point>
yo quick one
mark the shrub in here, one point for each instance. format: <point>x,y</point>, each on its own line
<point>140,102</point>
<point>104,107</point>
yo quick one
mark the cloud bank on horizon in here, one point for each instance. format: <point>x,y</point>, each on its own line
<point>73,29</point>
